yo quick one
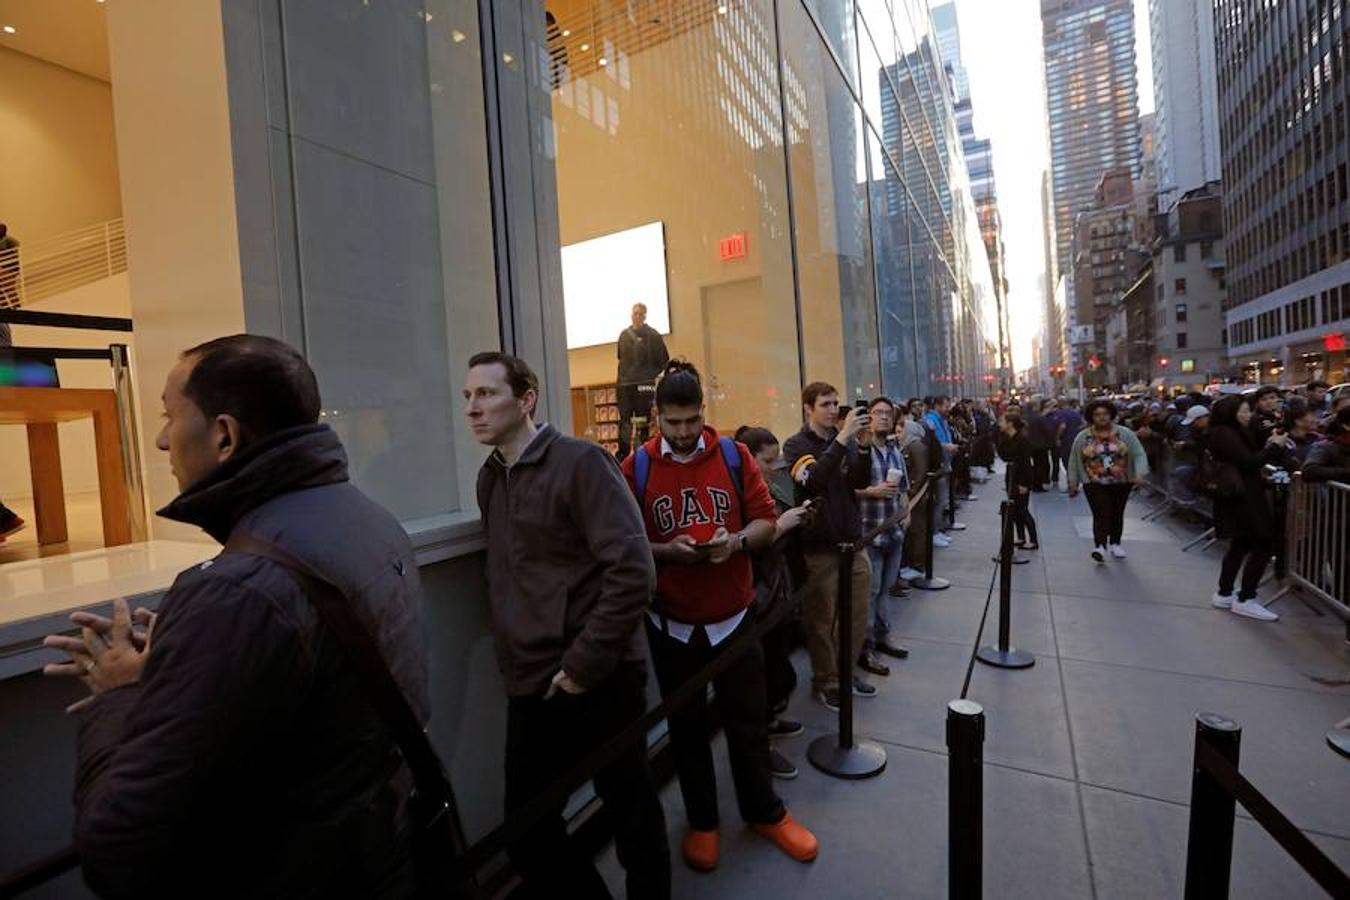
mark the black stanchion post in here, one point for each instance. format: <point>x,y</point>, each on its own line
<point>841,755</point>
<point>1004,656</point>
<point>965,800</point>
<point>1209,846</point>
<point>930,582</point>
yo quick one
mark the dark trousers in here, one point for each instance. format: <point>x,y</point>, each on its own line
<point>1040,466</point>
<point>545,739</point>
<point>1108,511</point>
<point>1023,523</point>
<point>780,676</point>
<point>739,696</point>
<point>634,400</point>
<point>1054,465</point>
<point>1256,551</point>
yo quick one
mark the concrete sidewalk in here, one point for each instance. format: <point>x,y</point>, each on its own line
<point>1087,754</point>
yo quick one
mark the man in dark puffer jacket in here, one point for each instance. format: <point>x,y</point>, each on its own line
<point>231,752</point>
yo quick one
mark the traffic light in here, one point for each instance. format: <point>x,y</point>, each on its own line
<point>1163,361</point>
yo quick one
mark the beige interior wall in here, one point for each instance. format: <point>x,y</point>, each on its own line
<point>173,136</point>
<point>106,297</point>
<point>672,157</point>
<point>59,169</point>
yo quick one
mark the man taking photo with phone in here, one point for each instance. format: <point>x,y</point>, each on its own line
<point>707,508</point>
<point>828,464</point>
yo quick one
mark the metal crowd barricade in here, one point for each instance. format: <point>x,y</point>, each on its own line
<point>1171,482</point>
<point>1318,545</point>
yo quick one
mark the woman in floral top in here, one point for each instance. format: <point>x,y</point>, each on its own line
<point>1107,460</point>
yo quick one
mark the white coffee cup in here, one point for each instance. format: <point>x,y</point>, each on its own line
<point>893,476</point>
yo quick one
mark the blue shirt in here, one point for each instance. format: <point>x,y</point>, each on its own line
<point>942,429</point>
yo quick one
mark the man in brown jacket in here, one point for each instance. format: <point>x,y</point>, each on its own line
<point>570,575</point>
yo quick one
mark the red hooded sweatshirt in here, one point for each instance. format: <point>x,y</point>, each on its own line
<point>696,498</point>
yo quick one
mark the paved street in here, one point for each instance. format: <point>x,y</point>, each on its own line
<point>1088,753</point>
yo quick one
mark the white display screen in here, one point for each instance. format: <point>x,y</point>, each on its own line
<point>605,276</point>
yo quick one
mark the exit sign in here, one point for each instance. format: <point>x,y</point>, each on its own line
<point>733,246</point>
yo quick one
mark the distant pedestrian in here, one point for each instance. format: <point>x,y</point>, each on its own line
<point>1015,450</point>
<point>1107,461</point>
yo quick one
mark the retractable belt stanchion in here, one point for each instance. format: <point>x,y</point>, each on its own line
<point>842,755</point>
<point>965,800</point>
<point>929,582</point>
<point>1209,846</point>
<point>1004,656</point>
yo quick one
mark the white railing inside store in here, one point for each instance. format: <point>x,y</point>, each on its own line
<point>43,268</point>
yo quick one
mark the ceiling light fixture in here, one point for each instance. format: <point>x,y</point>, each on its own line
<point>603,61</point>
<point>9,29</point>
<point>585,47</point>
<point>456,35</point>
<point>567,32</point>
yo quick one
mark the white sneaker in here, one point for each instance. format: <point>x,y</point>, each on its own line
<point>1117,551</point>
<point>941,540</point>
<point>1222,601</point>
<point>1253,610</point>
<point>909,572</point>
<point>1099,554</point>
<point>957,526</point>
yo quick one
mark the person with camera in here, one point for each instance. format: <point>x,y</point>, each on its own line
<point>884,502</point>
<point>1242,507</point>
<point>707,508</point>
<point>828,462</point>
<point>228,748</point>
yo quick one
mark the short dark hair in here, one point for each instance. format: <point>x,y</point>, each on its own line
<point>518,372</point>
<point>1264,390</point>
<point>1094,405</point>
<point>264,383</point>
<point>1015,420</point>
<point>755,438</point>
<point>881,399</point>
<point>815,390</point>
<point>679,384</point>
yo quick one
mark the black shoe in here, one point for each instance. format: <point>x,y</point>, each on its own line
<point>9,522</point>
<point>782,728</point>
<point>828,698</point>
<point>899,589</point>
<point>885,646</point>
<point>780,766</point>
<point>869,663</point>
<point>862,688</point>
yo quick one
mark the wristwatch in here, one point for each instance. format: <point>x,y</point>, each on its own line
<point>742,542</point>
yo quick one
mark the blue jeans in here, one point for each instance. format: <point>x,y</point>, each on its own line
<point>886,565</point>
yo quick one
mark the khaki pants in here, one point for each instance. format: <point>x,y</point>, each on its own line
<point>818,612</point>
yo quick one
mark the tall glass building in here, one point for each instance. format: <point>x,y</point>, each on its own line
<point>391,186</point>
<point>1284,104</point>
<point>1091,107</point>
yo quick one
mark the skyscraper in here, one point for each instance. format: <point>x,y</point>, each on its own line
<point>1091,106</point>
<point>949,46</point>
<point>1185,94</point>
<point>1283,103</point>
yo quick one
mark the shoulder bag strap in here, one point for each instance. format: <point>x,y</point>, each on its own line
<point>381,689</point>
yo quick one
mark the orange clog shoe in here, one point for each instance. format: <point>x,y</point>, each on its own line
<point>701,849</point>
<point>791,838</point>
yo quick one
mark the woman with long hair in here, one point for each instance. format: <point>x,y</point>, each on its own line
<point>1107,460</point>
<point>1244,515</point>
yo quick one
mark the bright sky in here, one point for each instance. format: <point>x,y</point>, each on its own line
<point>1001,50</point>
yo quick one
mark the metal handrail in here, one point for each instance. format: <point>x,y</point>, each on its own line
<point>39,269</point>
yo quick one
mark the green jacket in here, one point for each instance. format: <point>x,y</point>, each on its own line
<point>1138,459</point>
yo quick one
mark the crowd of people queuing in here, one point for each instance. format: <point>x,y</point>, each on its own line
<point>248,709</point>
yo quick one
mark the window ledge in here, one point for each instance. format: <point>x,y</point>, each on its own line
<point>438,538</point>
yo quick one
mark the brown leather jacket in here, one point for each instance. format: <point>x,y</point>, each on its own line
<point>569,569</point>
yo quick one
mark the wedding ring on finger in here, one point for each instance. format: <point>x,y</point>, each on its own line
<point>89,665</point>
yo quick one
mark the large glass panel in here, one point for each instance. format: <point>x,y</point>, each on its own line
<point>669,143</point>
<point>834,19</point>
<point>830,193</point>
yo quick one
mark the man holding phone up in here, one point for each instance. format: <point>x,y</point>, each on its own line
<point>828,464</point>
<point>707,507</point>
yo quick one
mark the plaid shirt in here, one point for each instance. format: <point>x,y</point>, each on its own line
<point>876,510</point>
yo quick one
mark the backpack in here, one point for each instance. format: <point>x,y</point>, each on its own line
<point>1217,479</point>
<point>642,468</point>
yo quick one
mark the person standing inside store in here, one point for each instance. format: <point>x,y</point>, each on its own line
<point>828,462</point>
<point>1107,461</point>
<point>1015,450</point>
<point>1245,516</point>
<point>707,508</point>
<point>779,571</point>
<point>885,500</point>
<point>570,577</point>
<point>642,355</point>
<point>936,419</point>
<point>10,521</point>
<point>226,750</point>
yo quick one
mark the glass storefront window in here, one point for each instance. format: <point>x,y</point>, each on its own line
<point>680,126</point>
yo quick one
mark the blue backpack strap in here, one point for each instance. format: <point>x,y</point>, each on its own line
<point>731,455</point>
<point>642,467</point>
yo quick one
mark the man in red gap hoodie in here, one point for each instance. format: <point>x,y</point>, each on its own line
<point>707,507</point>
